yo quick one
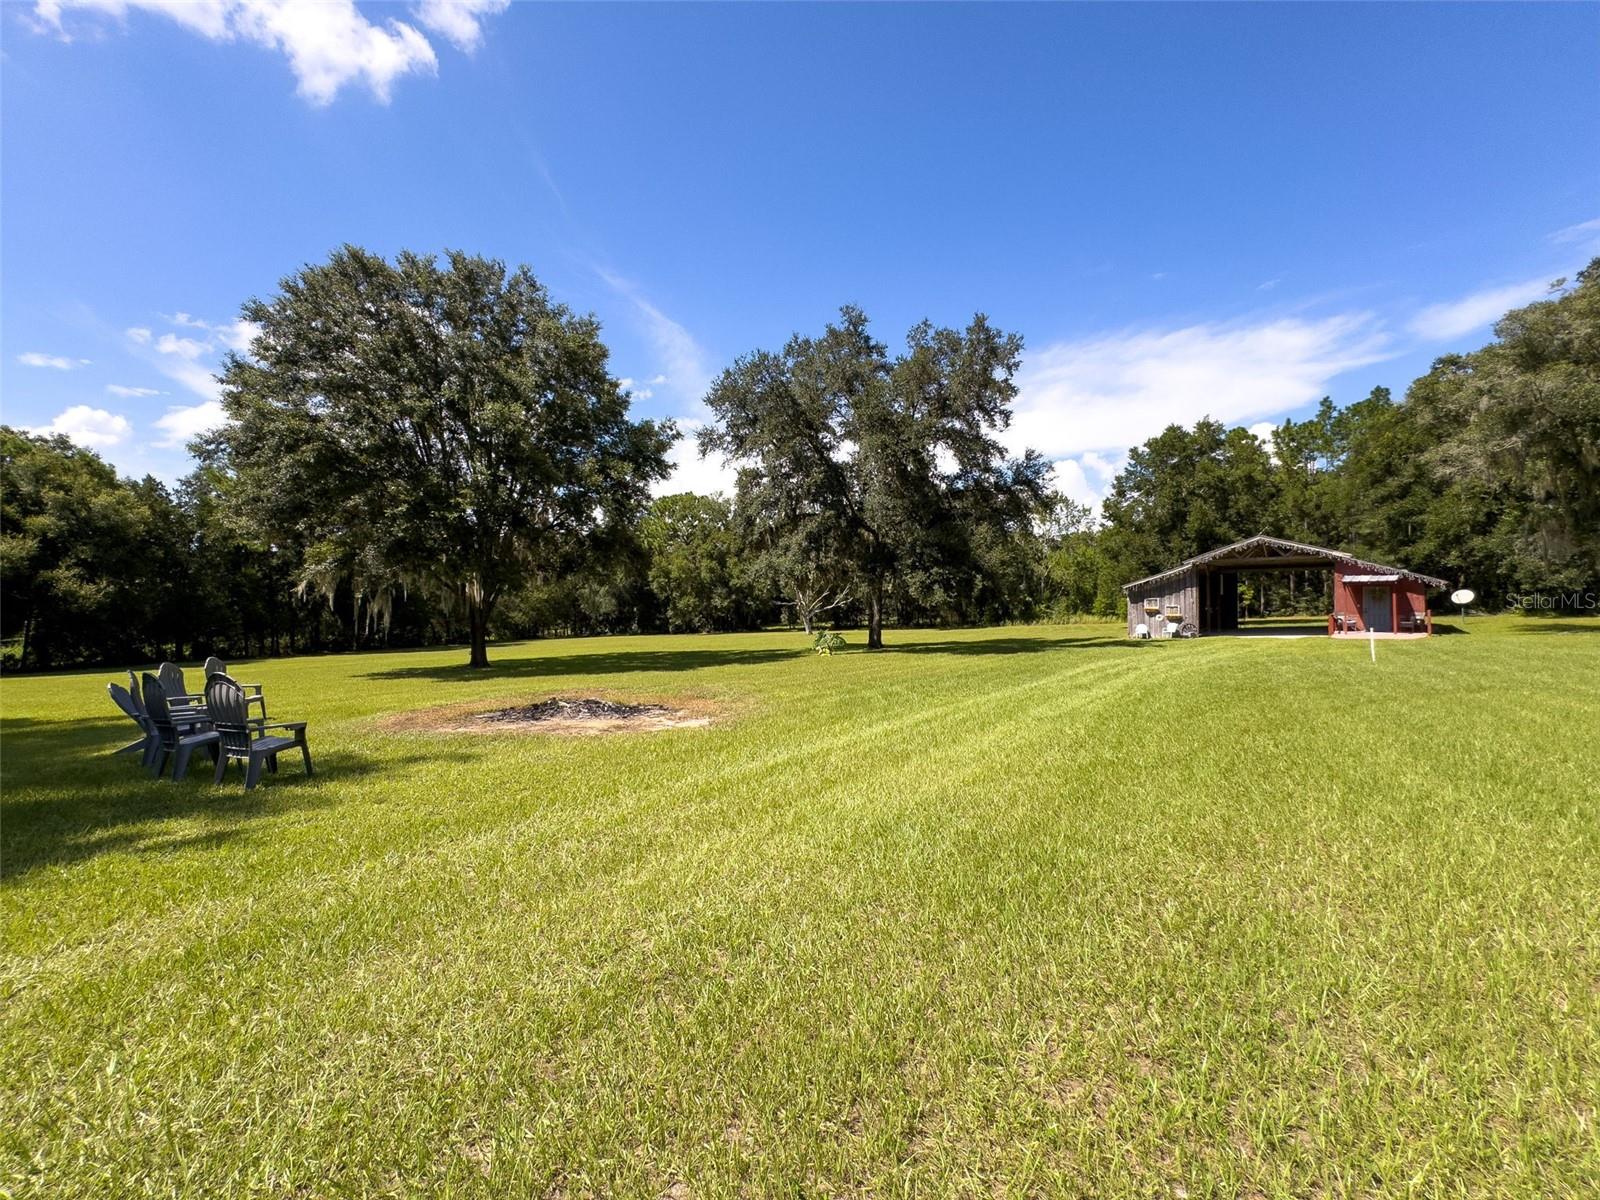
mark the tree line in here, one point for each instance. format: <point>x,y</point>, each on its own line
<point>425,451</point>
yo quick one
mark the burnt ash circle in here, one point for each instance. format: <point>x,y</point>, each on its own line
<point>576,710</point>
<point>562,716</point>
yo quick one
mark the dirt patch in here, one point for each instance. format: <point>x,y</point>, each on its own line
<point>561,715</point>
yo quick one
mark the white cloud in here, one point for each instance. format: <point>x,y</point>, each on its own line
<point>91,428</point>
<point>234,335</point>
<point>178,358</point>
<point>238,335</point>
<point>457,20</point>
<point>1263,430</point>
<point>1086,477</point>
<point>633,388</point>
<point>687,375</point>
<point>181,425</point>
<point>183,347</point>
<point>1070,478</point>
<point>1268,285</point>
<point>1440,322</point>
<point>329,43</point>
<point>1114,391</point>
<point>1101,463</point>
<point>197,378</point>
<point>181,358</point>
<point>54,361</point>
<point>1584,232</point>
<point>642,391</point>
<point>119,389</point>
<point>690,472</point>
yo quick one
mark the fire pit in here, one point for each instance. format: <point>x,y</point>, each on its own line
<point>559,715</point>
<point>576,710</point>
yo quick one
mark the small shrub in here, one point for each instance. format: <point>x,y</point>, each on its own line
<point>827,641</point>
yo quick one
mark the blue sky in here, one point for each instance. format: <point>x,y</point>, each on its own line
<point>1185,210</point>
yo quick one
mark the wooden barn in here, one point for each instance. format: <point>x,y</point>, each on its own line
<point>1203,593</point>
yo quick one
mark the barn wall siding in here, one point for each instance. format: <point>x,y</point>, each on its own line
<point>1411,600</point>
<point>1182,591</point>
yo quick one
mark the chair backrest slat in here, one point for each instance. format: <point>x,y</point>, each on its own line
<point>215,666</point>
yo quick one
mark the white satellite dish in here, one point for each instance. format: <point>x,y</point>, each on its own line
<point>1463,597</point>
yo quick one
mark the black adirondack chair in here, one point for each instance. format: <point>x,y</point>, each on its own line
<point>253,692</point>
<point>176,688</point>
<point>186,719</point>
<point>123,699</point>
<point>176,738</point>
<point>245,738</point>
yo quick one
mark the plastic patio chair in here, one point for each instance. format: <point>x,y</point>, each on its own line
<point>174,740</point>
<point>176,688</point>
<point>244,738</point>
<point>254,692</point>
<point>123,699</point>
<point>186,719</point>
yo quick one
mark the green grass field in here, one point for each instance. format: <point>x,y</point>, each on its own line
<point>994,913</point>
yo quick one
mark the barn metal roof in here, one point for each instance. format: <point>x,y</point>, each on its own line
<point>1268,553</point>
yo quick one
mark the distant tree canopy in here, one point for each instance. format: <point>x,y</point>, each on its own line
<point>1512,439</point>
<point>883,472</point>
<point>1185,491</point>
<point>70,535</point>
<point>447,427</point>
<point>95,568</point>
<point>697,569</point>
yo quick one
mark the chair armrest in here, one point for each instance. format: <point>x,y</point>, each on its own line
<point>282,725</point>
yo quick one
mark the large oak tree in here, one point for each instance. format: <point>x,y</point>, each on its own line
<point>886,465</point>
<point>442,425</point>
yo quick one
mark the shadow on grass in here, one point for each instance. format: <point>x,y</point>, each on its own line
<point>605,663</point>
<point>69,799</point>
<point>629,661</point>
<point>1014,645</point>
<point>1545,625</point>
